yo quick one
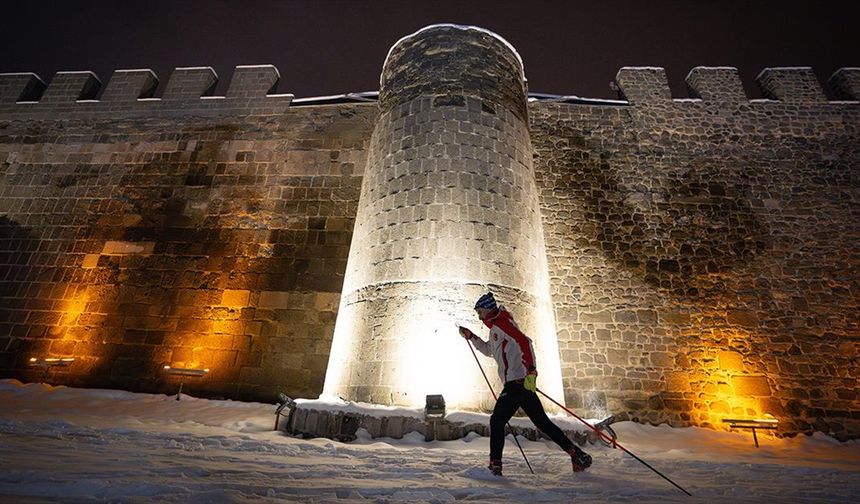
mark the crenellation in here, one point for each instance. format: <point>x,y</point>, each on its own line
<point>130,85</point>
<point>643,85</point>
<point>253,81</point>
<point>791,84</point>
<point>25,86</point>
<point>716,85</point>
<point>129,93</point>
<point>844,84</point>
<point>69,87</point>
<point>190,83</point>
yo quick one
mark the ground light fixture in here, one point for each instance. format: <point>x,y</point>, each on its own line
<point>434,406</point>
<point>752,424</point>
<point>434,414</point>
<point>49,364</point>
<point>184,373</point>
<point>284,401</point>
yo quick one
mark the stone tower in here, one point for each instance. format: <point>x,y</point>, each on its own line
<point>448,209</point>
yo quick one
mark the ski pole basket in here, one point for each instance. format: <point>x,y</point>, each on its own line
<point>605,426</point>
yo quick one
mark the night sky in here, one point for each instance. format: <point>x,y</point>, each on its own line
<point>330,47</point>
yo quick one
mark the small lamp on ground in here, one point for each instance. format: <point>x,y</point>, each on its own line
<point>769,423</point>
<point>434,414</point>
<point>284,401</point>
<point>434,406</point>
<point>185,373</point>
<point>49,364</point>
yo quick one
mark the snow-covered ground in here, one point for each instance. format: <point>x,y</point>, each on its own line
<point>62,444</point>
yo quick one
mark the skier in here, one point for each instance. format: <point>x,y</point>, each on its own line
<point>514,356</point>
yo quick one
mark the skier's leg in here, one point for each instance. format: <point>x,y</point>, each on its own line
<point>505,408</point>
<point>534,409</point>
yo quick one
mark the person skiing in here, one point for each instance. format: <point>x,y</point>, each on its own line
<point>514,355</point>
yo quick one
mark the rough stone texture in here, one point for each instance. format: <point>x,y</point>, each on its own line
<point>452,63</point>
<point>703,253</point>
<point>448,208</point>
<point>220,243</point>
<point>309,422</point>
<point>844,84</point>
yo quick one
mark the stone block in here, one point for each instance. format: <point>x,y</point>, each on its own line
<point>750,385</point>
<point>326,301</point>
<point>730,361</point>
<point>791,84</point>
<point>128,248</point>
<point>720,407</point>
<point>602,317</point>
<point>130,85</point>
<point>677,382</point>
<point>844,84</point>
<point>235,298</point>
<point>274,299</point>
<point>20,87</point>
<point>625,317</point>
<point>678,404</point>
<point>68,87</point>
<point>661,359</point>
<point>182,354</point>
<point>190,83</point>
<point>716,85</point>
<point>746,318</point>
<point>617,357</point>
<point>253,81</point>
<point>647,316</point>
<point>90,261</point>
<point>643,85</point>
<point>63,347</point>
<point>673,317</point>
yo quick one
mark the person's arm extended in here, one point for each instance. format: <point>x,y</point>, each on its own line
<point>481,345</point>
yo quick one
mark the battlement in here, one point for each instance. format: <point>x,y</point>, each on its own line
<point>650,86</point>
<point>129,93</point>
<point>189,91</point>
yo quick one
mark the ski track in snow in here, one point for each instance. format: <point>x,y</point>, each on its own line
<point>77,445</point>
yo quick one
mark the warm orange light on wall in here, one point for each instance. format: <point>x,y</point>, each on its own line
<point>73,308</point>
<point>724,384</point>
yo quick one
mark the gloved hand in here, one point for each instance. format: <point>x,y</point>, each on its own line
<point>530,382</point>
<point>466,333</point>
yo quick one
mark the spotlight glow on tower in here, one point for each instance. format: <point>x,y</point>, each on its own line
<point>449,209</point>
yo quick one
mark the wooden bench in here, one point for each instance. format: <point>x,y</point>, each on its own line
<point>753,424</point>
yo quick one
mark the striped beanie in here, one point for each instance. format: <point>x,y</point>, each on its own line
<point>486,301</point>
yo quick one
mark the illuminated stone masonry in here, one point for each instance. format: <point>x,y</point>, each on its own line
<point>448,208</point>
<point>701,253</point>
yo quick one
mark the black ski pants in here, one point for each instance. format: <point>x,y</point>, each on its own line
<point>514,396</point>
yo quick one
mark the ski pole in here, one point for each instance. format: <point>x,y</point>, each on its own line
<point>613,441</point>
<point>495,398</point>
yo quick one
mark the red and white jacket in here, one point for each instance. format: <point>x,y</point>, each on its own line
<point>511,348</point>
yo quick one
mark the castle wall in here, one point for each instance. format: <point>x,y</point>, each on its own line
<point>183,231</point>
<point>704,252</point>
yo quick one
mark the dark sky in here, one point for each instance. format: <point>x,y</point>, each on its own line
<point>337,46</point>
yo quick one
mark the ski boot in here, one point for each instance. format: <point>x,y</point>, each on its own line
<point>579,459</point>
<point>495,467</point>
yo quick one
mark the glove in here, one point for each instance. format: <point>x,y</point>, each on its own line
<point>530,382</point>
<point>466,333</point>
